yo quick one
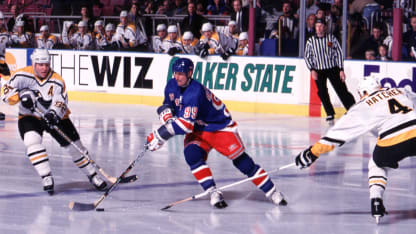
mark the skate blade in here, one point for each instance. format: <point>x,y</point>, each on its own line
<point>378,218</point>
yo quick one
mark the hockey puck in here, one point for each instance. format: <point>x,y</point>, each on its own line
<point>99,209</point>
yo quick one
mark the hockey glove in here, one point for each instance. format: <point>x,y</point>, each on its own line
<point>172,51</point>
<point>154,141</point>
<point>203,53</point>
<point>27,98</point>
<point>165,113</point>
<point>52,119</point>
<point>305,158</point>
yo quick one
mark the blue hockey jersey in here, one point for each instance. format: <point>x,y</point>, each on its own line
<point>195,108</point>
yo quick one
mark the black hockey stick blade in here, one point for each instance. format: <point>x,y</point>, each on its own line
<point>77,206</point>
<point>128,179</point>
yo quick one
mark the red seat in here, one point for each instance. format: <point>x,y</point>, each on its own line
<point>107,11</point>
<point>96,11</point>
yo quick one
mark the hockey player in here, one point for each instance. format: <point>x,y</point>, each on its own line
<point>242,44</point>
<point>157,40</point>
<point>68,30</point>
<point>189,43</point>
<point>82,40</point>
<point>172,43</point>
<point>108,42</point>
<point>46,40</point>
<point>98,33</point>
<point>4,42</point>
<point>21,38</point>
<point>209,43</point>
<point>35,86</point>
<point>128,34</point>
<point>191,109</point>
<point>388,112</point>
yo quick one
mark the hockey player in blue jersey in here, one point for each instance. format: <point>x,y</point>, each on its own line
<point>191,109</point>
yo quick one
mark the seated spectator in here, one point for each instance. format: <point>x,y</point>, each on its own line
<point>172,44</point>
<point>157,41</point>
<point>165,9</point>
<point>129,36</point>
<point>209,42</point>
<point>242,44</point>
<point>46,40</point>
<point>311,8</point>
<point>179,7</point>
<point>200,10</point>
<point>310,26</point>
<point>382,53</point>
<point>108,42</point>
<point>375,39</point>
<point>289,23</point>
<point>365,8</point>
<point>20,38</point>
<point>149,8</point>
<point>193,22</point>
<point>370,54</point>
<point>68,30</point>
<point>189,43</point>
<point>82,40</point>
<point>409,38</point>
<point>217,7</point>
<point>240,15</point>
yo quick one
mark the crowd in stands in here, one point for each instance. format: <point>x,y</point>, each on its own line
<point>369,34</point>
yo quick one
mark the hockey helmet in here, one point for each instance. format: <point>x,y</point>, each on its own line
<point>44,28</point>
<point>207,27</point>
<point>109,27</point>
<point>98,23</point>
<point>82,23</point>
<point>160,27</point>
<point>368,85</point>
<point>243,36</point>
<point>20,23</point>
<point>183,65</point>
<point>172,29</point>
<point>40,56</point>
<point>188,35</point>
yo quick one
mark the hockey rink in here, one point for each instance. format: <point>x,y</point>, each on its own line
<point>330,197</point>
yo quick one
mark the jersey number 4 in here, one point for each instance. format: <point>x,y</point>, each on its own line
<point>396,107</point>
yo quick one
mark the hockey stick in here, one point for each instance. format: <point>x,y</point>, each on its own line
<point>194,197</point>
<point>90,206</point>
<point>112,179</point>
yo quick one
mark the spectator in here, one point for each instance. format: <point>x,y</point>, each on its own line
<point>365,8</point>
<point>370,54</point>
<point>128,35</point>
<point>172,44</point>
<point>46,40</point>
<point>189,43</point>
<point>311,8</point>
<point>382,53</point>
<point>359,34</point>
<point>240,16</point>
<point>200,10</point>
<point>374,41</point>
<point>217,7</point>
<point>209,42</point>
<point>108,42</point>
<point>15,10</point>
<point>409,38</point>
<point>157,41</point>
<point>242,44</point>
<point>87,18</point>
<point>149,7</point>
<point>193,22</point>
<point>310,26</point>
<point>165,9</point>
<point>288,22</point>
<point>179,8</point>
<point>323,57</point>
<point>82,40</point>
<point>20,38</point>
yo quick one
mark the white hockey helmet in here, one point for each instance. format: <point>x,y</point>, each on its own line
<point>243,36</point>
<point>232,22</point>
<point>44,28</point>
<point>40,56</point>
<point>206,27</point>
<point>188,35</point>
<point>82,23</point>
<point>124,14</point>
<point>109,27</point>
<point>368,85</point>
<point>160,27</point>
<point>98,23</point>
<point>172,29</point>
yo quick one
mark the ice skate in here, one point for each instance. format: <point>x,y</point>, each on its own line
<point>377,209</point>
<point>98,183</point>
<point>217,199</point>
<point>48,184</point>
<point>277,198</point>
<point>2,116</point>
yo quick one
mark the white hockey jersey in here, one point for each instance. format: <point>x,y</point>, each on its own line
<point>389,113</point>
<point>4,42</point>
<point>52,91</point>
<point>46,43</point>
<point>24,39</point>
<point>131,35</point>
<point>82,41</point>
<point>167,44</point>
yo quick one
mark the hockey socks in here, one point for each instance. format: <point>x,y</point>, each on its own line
<point>195,158</point>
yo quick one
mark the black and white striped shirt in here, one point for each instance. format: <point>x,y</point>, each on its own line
<point>323,53</point>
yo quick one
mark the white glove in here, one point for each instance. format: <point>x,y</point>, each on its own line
<point>165,113</point>
<point>154,141</point>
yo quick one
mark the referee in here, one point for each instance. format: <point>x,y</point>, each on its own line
<point>323,57</point>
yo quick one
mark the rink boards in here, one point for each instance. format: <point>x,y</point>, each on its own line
<point>249,84</point>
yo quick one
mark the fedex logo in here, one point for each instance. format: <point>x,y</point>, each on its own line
<point>389,81</point>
